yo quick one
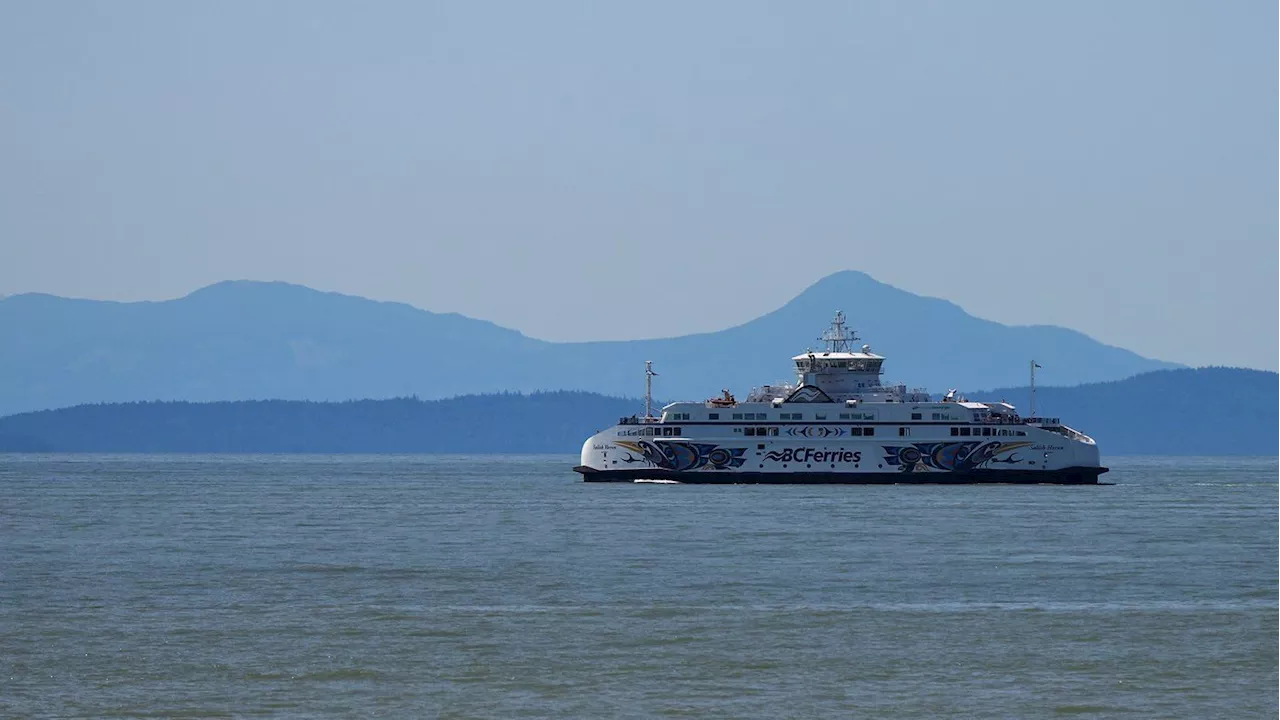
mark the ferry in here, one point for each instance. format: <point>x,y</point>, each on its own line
<point>839,423</point>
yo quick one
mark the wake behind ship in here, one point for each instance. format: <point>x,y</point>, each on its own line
<point>838,423</point>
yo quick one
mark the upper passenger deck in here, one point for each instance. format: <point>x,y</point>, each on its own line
<point>841,385</point>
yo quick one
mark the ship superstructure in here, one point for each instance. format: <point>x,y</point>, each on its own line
<point>839,423</point>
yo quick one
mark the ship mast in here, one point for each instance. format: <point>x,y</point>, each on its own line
<point>1034,365</point>
<point>836,338</point>
<point>648,389</point>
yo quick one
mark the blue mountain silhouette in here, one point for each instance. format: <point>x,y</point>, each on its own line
<point>241,340</point>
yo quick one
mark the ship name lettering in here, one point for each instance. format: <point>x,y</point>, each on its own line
<point>803,454</point>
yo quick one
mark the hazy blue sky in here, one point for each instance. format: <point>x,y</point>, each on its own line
<point>612,170</point>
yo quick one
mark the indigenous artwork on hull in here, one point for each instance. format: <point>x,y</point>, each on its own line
<point>683,455</point>
<point>949,456</point>
<point>809,394</point>
<point>816,431</point>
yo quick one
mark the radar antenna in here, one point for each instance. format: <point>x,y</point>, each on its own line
<point>836,338</point>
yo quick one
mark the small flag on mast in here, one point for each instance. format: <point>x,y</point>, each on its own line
<point>1033,362</point>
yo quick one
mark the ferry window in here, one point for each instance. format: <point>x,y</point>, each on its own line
<point>666,432</point>
<point>904,432</point>
<point>761,432</point>
<point>955,432</point>
<point>749,432</point>
<point>1022,433</point>
<point>964,431</point>
<point>986,431</point>
<point>737,416</point>
<point>855,431</point>
<point>868,431</point>
<point>675,431</point>
<point>762,416</point>
<point>915,416</point>
<point>844,416</point>
<point>713,416</point>
<point>819,416</point>
<point>773,431</point>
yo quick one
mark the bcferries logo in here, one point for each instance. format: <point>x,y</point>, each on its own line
<point>812,455</point>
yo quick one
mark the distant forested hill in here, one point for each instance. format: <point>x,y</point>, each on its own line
<point>1207,411</point>
<point>551,422</point>
<point>1202,411</point>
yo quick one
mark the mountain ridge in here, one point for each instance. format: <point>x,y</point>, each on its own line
<point>243,339</point>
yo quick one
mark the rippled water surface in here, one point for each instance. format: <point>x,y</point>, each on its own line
<point>221,586</point>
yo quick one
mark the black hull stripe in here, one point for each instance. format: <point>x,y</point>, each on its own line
<point>1064,476</point>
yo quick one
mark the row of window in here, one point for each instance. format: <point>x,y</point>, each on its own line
<point>660,432</point>
<point>763,431</point>
<point>866,431</point>
<point>855,365</point>
<point>936,417</point>
<point>669,431</point>
<point>985,432</point>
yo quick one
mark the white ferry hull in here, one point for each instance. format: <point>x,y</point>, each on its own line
<point>1039,457</point>
<point>1063,476</point>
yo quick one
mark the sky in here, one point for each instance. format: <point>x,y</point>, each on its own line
<point>583,170</point>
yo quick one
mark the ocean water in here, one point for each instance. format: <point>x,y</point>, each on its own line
<point>501,587</point>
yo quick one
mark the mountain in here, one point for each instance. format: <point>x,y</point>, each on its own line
<point>243,340</point>
<point>1207,411</point>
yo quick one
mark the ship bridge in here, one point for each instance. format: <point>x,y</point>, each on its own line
<point>845,373</point>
